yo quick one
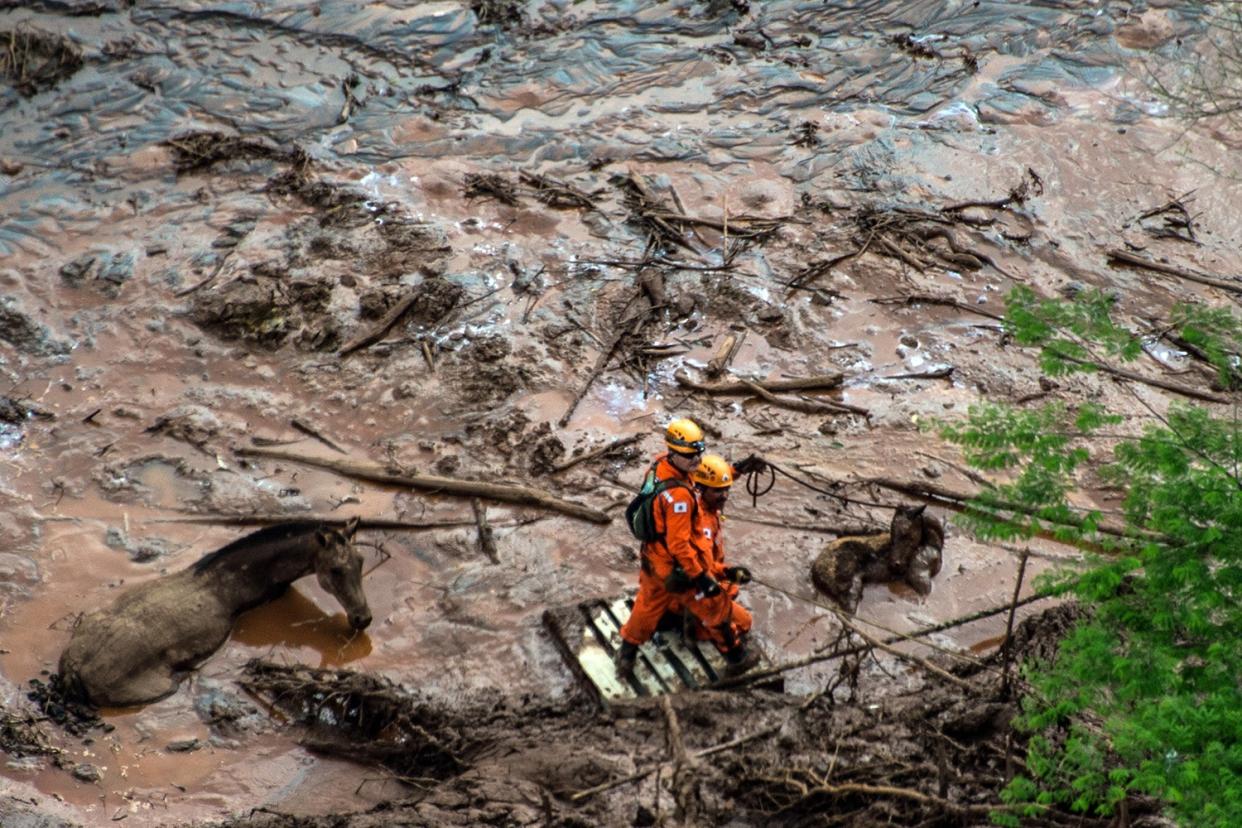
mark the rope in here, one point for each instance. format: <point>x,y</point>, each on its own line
<point>754,467</point>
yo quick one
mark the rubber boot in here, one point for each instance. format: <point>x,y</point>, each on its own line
<point>624,660</point>
<point>741,659</point>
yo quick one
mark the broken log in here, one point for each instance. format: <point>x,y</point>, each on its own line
<point>375,473</point>
<point>725,351</point>
<point>1122,257</point>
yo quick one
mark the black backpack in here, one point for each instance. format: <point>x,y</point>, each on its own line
<point>639,514</point>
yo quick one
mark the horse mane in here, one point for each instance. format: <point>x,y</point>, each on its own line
<point>248,544</point>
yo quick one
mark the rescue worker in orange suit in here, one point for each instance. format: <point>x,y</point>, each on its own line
<point>720,618</point>
<point>671,564</point>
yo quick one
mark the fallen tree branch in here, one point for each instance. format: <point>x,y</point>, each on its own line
<point>1116,256</point>
<point>960,501</point>
<point>822,382</point>
<point>363,523</point>
<point>599,452</point>
<point>931,299</point>
<point>767,672</point>
<point>698,754</point>
<point>375,473</point>
<point>805,406</point>
<point>1176,388</point>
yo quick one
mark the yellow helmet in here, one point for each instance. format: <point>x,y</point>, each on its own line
<point>713,471</point>
<point>684,436</point>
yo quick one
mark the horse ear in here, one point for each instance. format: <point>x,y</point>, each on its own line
<point>351,527</point>
<point>321,537</point>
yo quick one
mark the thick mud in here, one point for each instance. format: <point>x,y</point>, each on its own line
<point>483,239</point>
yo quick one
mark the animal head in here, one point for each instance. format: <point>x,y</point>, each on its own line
<point>338,566</point>
<point>907,527</point>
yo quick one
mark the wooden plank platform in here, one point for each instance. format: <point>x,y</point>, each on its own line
<point>588,637</point>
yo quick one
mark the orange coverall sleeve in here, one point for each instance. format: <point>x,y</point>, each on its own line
<point>674,508</point>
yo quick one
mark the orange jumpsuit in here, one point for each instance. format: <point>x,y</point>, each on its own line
<point>674,511</point>
<point>722,619</point>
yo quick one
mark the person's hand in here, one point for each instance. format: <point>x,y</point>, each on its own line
<point>678,580</point>
<point>707,585</point>
<point>738,574</point>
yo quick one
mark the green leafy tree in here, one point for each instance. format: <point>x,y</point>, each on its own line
<point>1145,695</point>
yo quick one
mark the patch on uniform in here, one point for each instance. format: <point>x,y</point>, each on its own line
<point>681,507</point>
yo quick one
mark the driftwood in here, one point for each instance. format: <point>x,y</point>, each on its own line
<point>375,473</point>
<point>1176,388</point>
<point>1122,257</point>
<point>599,452</point>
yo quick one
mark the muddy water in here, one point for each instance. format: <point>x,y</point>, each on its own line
<point>401,102</point>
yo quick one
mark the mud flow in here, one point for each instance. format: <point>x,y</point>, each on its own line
<point>267,262</point>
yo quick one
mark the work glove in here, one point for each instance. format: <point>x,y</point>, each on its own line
<point>753,463</point>
<point>678,580</point>
<point>737,574</point>
<point>707,586</point>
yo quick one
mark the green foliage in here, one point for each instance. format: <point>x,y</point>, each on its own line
<point>1145,696</point>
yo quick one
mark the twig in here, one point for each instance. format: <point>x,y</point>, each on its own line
<point>381,330</point>
<point>1017,588</point>
<point>310,432</point>
<point>699,754</point>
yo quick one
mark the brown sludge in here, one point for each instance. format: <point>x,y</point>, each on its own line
<point>460,262</point>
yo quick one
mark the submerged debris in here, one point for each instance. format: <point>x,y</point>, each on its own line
<point>196,151</point>
<point>34,61</point>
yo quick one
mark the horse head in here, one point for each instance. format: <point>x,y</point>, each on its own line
<point>338,566</point>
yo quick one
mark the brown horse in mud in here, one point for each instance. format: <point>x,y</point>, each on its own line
<point>139,649</point>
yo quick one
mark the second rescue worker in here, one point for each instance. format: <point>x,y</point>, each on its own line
<point>674,511</point>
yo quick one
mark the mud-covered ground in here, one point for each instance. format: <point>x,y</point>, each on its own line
<point>209,214</point>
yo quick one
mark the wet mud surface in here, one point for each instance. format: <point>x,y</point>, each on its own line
<point>480,240</point>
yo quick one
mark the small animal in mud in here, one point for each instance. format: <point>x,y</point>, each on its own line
<point>910,551</point>
<point>139,649</point>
